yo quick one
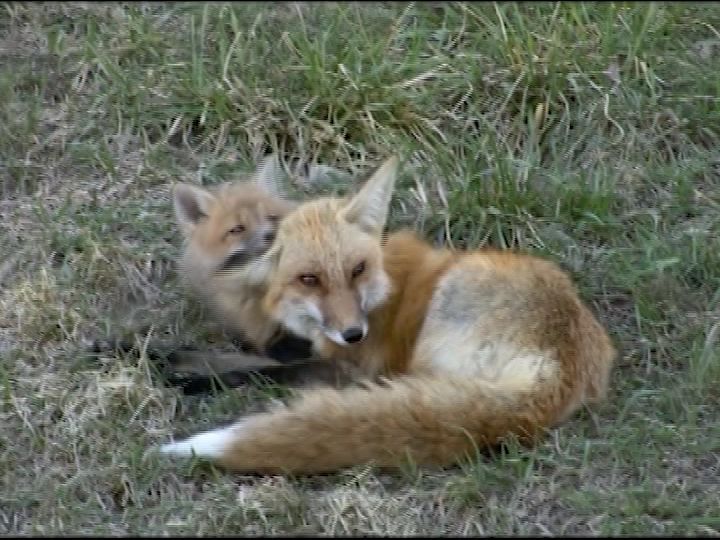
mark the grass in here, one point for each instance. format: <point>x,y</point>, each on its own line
<point>583,132</point>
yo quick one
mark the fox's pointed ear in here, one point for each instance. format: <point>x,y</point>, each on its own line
<point>192,204</point>
<point>369,207</point>
<point>269,174</point>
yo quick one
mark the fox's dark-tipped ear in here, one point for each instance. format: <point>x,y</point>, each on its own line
<point>369,207</point>
<point>191,203</point>
<point>269,175</point>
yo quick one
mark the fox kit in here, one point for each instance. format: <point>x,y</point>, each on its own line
<point>224,229</point>
<point>476,346</point>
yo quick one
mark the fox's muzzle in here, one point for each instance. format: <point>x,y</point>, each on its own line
<point>235,260</point>
<point>257,246</point>
<point>349,336</point>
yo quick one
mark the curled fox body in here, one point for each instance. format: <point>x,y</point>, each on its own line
<point>475,346</point>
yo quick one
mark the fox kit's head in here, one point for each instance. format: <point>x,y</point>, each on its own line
<point>230,226</point>
<point>326,271</point>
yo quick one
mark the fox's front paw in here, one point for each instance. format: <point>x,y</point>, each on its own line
<point>290,348</point>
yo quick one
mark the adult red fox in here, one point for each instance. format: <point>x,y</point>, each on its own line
<point>476,346</point>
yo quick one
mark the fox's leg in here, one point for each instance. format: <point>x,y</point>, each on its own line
<point>196,371</point>
<point>296,374</point>
<point>193,370</point>
<point>187,359</point>
<point>239,369</point>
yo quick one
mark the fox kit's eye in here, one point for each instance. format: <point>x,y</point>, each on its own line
<point>359,269</point>
<point>274,218</point>
<point>311,280</point>
<point>237,229</point>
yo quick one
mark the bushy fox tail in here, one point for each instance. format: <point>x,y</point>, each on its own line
<point>430,421</point>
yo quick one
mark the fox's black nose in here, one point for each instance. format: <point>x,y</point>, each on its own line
<point>353,334</point>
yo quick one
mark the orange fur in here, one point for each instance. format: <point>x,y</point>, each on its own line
<point>478,345</point>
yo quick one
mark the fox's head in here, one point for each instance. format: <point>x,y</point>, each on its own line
<point>233,224</point>
<point>325,269</point>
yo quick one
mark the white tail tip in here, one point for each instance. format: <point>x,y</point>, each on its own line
<point>209,444</point>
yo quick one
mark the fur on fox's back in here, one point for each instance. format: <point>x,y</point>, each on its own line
<point>480,345</point>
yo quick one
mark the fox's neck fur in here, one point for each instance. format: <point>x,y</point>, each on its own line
<point>403,312</point>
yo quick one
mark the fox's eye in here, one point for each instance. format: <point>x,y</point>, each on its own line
<point>311,280</point>
<point>237,229</point>
<point>274,218</point>
<point>359,269</point>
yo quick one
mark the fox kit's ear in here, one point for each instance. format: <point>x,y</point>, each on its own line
<point>369,207</point>
<point>268,176</point>
<point>191,203</point>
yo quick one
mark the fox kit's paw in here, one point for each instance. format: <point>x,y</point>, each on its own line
<point>208,444</point>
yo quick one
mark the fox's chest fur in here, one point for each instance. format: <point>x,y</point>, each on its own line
<point>414,269</point>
